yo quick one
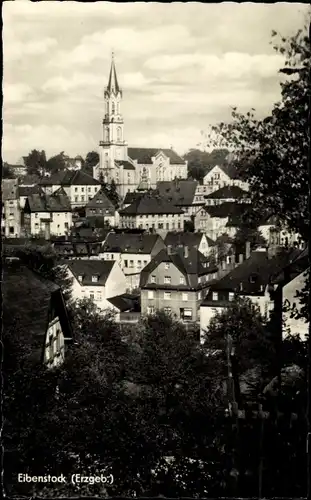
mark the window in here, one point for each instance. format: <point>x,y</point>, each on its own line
<point>89,189</point>
<point>150,294</point>
<point>94,279</point>
<point>167,310</point>
<point>113,108</point>
<point>126,263</point>
<point>153,279</point>
<point>199,295</point>
<point>82,190</point>
<point>186,314</point>
<point>36,225</point>
<point>167,225</point>
<point>119,136</point>
<point>139,264</point>
<point>82,198</point>
<point>131,263</point>
<point>98,296</point>
<point>253,278</point>
<point>178,225</point>
<point>76,190</point>
<point>167,265</point>
<point>184,296</point>
<point>199,279</point>
<point>145,262</point>
<point>231,296</point>
<point>92,295</point>
<point>57,341</point>
<point>76,198</point>
<point>167,280</point>
<point>215,295</point>
<point>167,295</point>
<point>160,225</point>
<point>150,310</point>
<point>182,280</point>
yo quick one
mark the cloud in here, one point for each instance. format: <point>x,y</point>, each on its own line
<point>15,50</point>
<point>127,42</point>
<point>16,93</point>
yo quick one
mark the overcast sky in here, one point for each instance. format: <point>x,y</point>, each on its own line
<point>181,67</point>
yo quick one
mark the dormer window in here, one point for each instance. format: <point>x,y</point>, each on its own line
<point>215,296</point>
<point>80,278</point>
<point>94,279</point>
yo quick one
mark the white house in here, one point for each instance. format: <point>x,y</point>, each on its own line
<point>48,215</point>
<point>198,240</point>
<point>220,176</point>
<point>98,280</point>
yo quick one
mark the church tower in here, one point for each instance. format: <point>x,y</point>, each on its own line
<point>112,147</point>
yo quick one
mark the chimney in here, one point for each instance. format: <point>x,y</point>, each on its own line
<point>186,252</point>
<point>247,249</point>
<point>241,257</point>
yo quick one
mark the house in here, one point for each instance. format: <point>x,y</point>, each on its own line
<point>126,307</point>
<point>275,233</point>
<point>227,194</point>
<point>213,220</point>
<point>176,281</point>
<point>47,214</point>
<point>129,167</point>
<point>25,191</point>
<point>98,280</point>
<point>75,163</point>
<point>251,279</point>
<point>291,280</point>
<point>29,180</point>
<point>182,193</point>
<point>131,197</point>
<point>132,252</point>
<point>77,249</point>
<point>191,240</point>
<point>11,214</point>
<point>153,213</point>
<point>17,170</point>
<point>222,175</point>
<point>79,186</point>
<point>39,315</point>
<point>101,207</point>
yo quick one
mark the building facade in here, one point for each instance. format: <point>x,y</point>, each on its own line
<point>11,213</point>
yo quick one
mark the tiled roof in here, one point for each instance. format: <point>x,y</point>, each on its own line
<point>45,203</point>
<point>75,248</point>
<point>29,190</point>
<point>122,302</point>
<point>70,178</point>
<point>9,188</point>
<point>227,192</point>
<point>89,268</point>
<point>189,239</point>
<point>30,313</point>
<point>130,243</point>
<point>151,204</point>
<point>126,164</point>
<point>144,155</point>
<point>29,180</point>
<point>101,200</point>
<point>180,191</point>
<point>131,197</point>
<point>254,273</point>
<point>195,263</point>
<point>227,209</point>
<point>228,168</point>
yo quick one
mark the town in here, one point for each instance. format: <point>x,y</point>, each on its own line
<point>105,253</point>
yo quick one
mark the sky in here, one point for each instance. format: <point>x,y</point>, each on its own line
<point>182,67</point>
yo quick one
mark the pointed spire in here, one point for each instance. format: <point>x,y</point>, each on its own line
<point>113,85</point>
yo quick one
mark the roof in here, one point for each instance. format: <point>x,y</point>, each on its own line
<point>69,178</point>
<point>29,190</point>
<point>180,191</point>
<point>126,164</point>
<point>227,192</point>
<point>195,263</point>
<point>228,168</point>
<point>9,188</point>
<point>130,243</point>
<point>113,85</point>
<point>122,302</point>
<point>89,268</point>
<point>253,273</point>
<point>131,197</point>
<point>150,204</point>
<point>227,209</point>
<point>47,203</point>
<point>30,313</point>
<point>77,248</point>
<point>101,200</point>
<point>29,180</point>
<point>144,155</point>
<point>189,239</point>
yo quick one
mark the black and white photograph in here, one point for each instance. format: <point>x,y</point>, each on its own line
<point>155,249</point>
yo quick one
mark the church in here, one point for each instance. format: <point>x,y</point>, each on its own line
<point>131,168</point>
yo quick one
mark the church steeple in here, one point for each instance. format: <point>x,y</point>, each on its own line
<point>113,86</point>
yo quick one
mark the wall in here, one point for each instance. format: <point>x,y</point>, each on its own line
<point>54,352</point>
<point>170,222</point>
<point>80,195</point>
<point>60,224</point>
<point>11,219</point>
<point>296,326</point>
<point>116,282</point>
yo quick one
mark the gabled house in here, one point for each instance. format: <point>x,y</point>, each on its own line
<point>98,280</point>
<point>75,163</point>
<point>101,207</point>
<point>79,186</point>
<point>275,233</point>
<point>223,175</point>
<point>176,281</point>
<point>11,213</point>
<point>227,194</point>
<point>35,308</point>
<point>152,212</point>
<point>191,240</point>
<point>251,279</point>
<point>47,214</point>
<point>17,170</point>
<point>213,220</point>
<point>181,192</point>
<point>131,197</point>
<point>132,252</point>
<point>126,308</point>
<point>25,191</point>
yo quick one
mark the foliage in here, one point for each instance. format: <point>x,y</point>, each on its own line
<point>248,234</point>
<point>189,226</point>
<point>200,162</point>
<point>7,172</point>
<point>272,153</point>
<point>36,162</point>
<point>91,160</point>
<point>111,191</point>
<point>56,163</point>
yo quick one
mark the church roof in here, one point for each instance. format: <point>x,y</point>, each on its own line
<point>113,85</point>
<point>144,155</point>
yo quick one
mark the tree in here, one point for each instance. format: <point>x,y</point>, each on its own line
<point>7,172</point>
<point>56,163</point>
<point>36,162</point>
<point>272,153</point>
<point>189,225</point>
<point>248,234</point>
<point>200,162</point>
